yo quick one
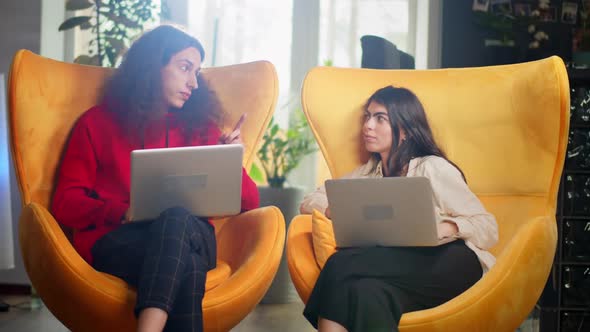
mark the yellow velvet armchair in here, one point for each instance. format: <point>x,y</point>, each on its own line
<point>45,99</point>
<point>506,127</point>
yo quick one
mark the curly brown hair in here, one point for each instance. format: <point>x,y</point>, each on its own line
<point>134,90</point>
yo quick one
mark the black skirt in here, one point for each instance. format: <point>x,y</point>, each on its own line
<point>368,289</point>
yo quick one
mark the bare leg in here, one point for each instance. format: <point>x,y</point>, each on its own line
<point>151,320</point>
<point>325,325</point>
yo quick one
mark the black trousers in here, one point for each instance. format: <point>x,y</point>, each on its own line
<point>368,289</point>
<point>167,260</point>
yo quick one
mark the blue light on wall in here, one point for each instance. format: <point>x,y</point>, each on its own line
<point>6,241</point>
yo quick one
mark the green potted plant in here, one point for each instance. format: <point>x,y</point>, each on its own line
<point>113,24</point>
<point>282,150</point>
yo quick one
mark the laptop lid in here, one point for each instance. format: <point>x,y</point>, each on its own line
<point>392,212</point>
<point>206,180</point>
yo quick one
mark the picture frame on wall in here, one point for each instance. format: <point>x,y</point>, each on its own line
<point>522,9</point>
<point>548,14</point>
<point>501,6</point>
<point>481,5</point>
<point>569,12</point>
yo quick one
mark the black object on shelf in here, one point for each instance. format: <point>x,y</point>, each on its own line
<point>564,305</point>
<point>4,306</point>
<point>380,53</point>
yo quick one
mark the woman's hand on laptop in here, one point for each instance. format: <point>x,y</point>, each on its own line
<point>127,217</point>
<point>446,229</point>
<point>327,213</point>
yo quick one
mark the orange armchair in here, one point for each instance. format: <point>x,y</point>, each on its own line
<point>506,127</point>
<point>45,99</point>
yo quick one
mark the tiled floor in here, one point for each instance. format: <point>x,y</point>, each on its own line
<point>265,318</point>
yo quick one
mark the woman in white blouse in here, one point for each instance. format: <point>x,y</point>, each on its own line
<point>368,289</point>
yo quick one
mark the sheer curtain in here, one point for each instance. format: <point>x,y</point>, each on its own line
<point>6,241</point>
<point>235,31</point>
<point>238,31</point>
<point>344,22</point>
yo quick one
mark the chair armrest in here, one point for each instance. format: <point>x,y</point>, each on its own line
<point>252,244</point>
<point>300,256</point>
<point>503,298</point>
<point>68,285</point>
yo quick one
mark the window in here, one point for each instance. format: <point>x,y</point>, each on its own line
<point>6,241</point>
<point>343,23</point>
<point>237,31</point>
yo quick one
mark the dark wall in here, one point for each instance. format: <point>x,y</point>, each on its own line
<point>463,41</point>
<point>20,27</point>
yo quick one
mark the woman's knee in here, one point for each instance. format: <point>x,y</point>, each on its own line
<point>365,287</point>
<point>335,266</point>
<point>175,212</point>
<point>337,258</point>
<point>172,222</point>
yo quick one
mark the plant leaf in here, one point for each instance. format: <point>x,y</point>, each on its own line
<point>274,130</point>
<point>283,149</point>
<point>256,174</point>
<point>78,4</point>
<point>85,26</point>
<point>73,22</point>
<point>121,19</point>
<point>116,44</point>
<point>88,60</point>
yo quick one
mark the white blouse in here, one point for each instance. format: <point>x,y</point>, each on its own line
<point>454,202</point>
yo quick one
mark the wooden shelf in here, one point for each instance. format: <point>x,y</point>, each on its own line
<point>562,309</point>
<point>553,313</point>
<point>577,171</point>
<point>579,75</point>
<point>579,126</point>
<point>571,263</point>
<point>575,217</point>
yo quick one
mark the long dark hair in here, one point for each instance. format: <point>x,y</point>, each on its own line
<point>406,113</point>
<point>135,88</point>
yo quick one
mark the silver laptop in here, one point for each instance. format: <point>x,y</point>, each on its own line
<point>390,212</point>
<point>206,180</point>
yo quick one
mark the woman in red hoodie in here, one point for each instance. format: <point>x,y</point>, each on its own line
<point>151,101</point>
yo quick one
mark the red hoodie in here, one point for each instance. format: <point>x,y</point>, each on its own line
<point>92,193</point>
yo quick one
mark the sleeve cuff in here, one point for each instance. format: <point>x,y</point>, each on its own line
<point>115,212</point>
<point>314,201</point>
<point>464,226</point>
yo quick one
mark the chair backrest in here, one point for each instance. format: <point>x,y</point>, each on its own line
<point>46,97</point>
<point>505,126</point>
